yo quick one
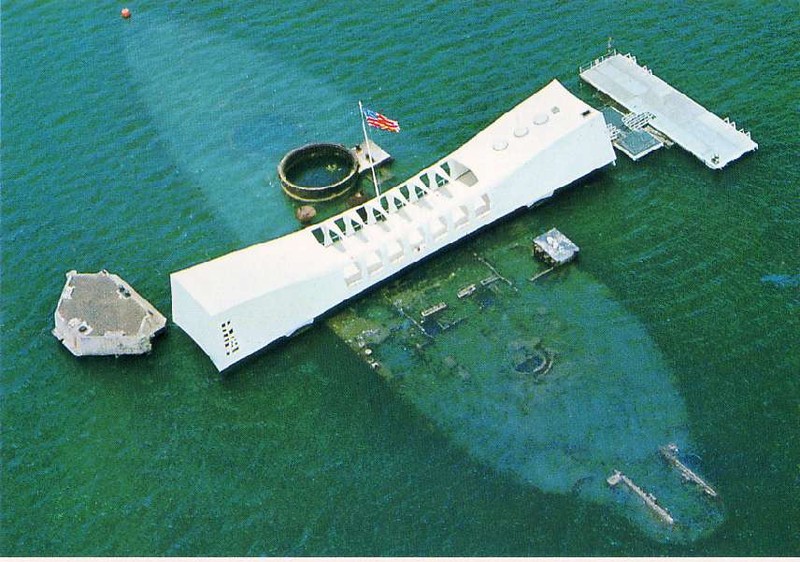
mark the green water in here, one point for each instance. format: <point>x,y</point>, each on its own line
<point>603,398</point>
<point>320,174</point>
<point>148,145</point>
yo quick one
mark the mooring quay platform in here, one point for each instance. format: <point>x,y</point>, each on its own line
<point>101,314</point>
<point>713,140</point>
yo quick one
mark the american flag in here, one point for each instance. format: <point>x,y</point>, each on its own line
<point>375,119</point>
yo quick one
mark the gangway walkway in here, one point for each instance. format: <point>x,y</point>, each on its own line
<point>713,140</point>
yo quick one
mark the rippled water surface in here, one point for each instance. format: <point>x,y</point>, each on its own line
<point>148,145</point>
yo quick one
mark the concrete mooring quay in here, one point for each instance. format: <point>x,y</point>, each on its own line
<point>100,314</point>
<point>715,141</point>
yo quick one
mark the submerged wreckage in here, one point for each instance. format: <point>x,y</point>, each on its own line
<point>535,402</point>
<point>239,303</point>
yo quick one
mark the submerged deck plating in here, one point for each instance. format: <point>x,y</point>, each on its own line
<point>239,303</point>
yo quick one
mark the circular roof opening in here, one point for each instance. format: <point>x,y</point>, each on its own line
<point>520,131</point>
<point>500,145</point>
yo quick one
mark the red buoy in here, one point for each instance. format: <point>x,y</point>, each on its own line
<point>125,13</point>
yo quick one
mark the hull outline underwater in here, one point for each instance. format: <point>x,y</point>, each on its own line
<point>239,303</point>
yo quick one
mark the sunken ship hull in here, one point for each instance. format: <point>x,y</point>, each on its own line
<point>239,303</point>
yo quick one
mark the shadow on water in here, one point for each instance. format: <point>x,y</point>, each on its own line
<point>553,382</point>
<point>257,134</point>
<point>227,123</point>
<point>164,139</point>
<point>606,400</point>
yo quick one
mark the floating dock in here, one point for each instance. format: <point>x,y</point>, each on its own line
<point>629,134</point>
<point>100,314</point>
<point>648,498</point>
<point>670,454</point>
<point>715,141</point>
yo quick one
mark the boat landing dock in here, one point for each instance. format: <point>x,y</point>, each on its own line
<point>715,141</point>
<point>628,133</point>
<point>101,314</point>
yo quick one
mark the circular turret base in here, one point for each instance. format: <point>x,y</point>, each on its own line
<point>318,172</point>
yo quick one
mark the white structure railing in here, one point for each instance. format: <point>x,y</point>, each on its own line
<point>350,222</point>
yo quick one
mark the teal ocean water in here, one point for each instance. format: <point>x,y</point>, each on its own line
<point>148,145</point>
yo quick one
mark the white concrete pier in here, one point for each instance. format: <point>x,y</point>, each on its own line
<point>101,314</point>
<point>713,140</point>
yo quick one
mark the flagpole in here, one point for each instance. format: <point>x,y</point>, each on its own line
<point>369,150</point>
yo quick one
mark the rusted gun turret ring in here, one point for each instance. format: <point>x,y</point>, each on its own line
<point>318,172</point>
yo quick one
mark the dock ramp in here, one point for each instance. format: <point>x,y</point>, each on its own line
<point>628,133</point>
<point>715,141</point>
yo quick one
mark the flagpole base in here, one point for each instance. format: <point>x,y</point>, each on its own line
<point>363,153</point>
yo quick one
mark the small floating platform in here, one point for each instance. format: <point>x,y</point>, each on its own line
<point>670,454</point>
<point>362,152</point>
<point>100,314</point>
<point>715,141</point>
<point>555,248</point>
